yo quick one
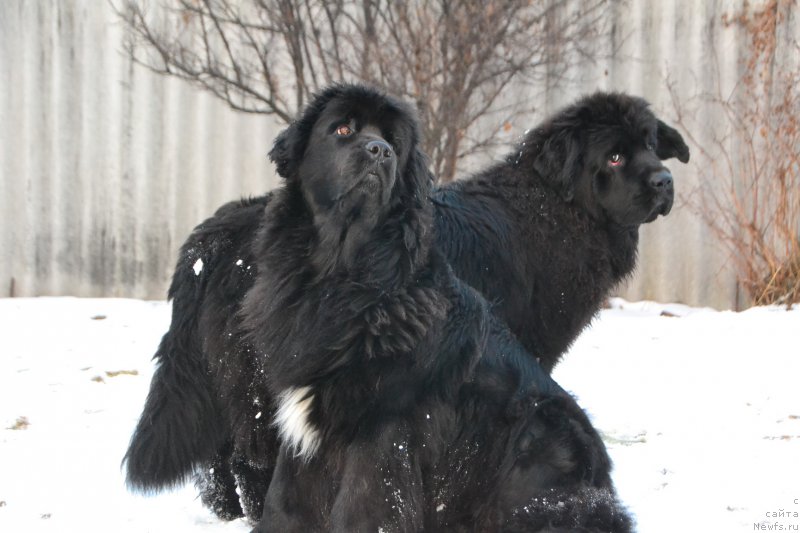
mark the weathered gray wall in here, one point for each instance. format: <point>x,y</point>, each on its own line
<point>105,167</point>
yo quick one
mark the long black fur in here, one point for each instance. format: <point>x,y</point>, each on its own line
<point>528,233</point>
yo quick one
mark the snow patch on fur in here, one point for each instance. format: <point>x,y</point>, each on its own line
<point>198,267</point>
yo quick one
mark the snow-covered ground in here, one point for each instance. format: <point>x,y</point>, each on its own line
<point>700,409</point>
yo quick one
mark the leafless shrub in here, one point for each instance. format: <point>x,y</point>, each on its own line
<point>456,59</point>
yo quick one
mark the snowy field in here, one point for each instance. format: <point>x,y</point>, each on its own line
<point>700,410</point>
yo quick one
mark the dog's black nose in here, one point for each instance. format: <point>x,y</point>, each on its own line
<point>379,149</point>
<point>661,180</point>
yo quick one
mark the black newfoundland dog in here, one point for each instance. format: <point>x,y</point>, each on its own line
<point>550,231</point>
<point>401,403</point>
<point>545,235</point>
<point>395,410</point>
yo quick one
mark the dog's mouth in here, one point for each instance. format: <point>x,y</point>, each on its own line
<point>375,179</point>
<point>651,217</point>
<point>372,186</point>
<point>662,207</point>
<point>371,179</point>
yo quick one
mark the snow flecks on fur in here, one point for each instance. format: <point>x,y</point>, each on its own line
<point>292,421</point>
<point>588,508</point>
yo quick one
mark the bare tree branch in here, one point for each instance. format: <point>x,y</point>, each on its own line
<point>458,60</point>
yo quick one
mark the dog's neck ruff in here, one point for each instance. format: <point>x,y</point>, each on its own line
<point>292,421</point>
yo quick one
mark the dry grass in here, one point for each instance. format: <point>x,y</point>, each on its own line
<point>115,373</point>
<point>781,287</point>
<point>21,423</point>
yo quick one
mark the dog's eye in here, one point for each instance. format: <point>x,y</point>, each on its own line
<point>344,131</point>
<point>615,160</point>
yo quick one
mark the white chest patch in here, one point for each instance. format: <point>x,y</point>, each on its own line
<point>294,407</point>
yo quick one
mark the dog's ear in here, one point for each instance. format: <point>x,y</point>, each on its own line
<point>559,160</point>
<point>671,144</point>
<point>284,151</point>
<point>417,182</point>
<point>419,176</point>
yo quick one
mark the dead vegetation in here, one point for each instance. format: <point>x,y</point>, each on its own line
<point>750,170</point>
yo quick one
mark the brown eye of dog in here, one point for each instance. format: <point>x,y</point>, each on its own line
<point>615,160</point>
<point>343,130</point>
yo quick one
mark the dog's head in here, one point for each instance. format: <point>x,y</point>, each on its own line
<point>353,149</point>
<point>605,154</point>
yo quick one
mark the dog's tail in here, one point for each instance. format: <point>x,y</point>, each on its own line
<point>181,424</point>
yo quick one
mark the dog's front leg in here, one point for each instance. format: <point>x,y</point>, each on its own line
<point>298,498</point>
<point>381,486</point>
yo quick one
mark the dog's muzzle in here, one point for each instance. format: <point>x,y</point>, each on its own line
<point>661,184</point>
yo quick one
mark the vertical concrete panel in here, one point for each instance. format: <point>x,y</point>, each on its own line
<point>36,142</point>
<point>12,187</point>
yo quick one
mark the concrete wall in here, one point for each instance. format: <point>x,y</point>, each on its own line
<point>105,167</point>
